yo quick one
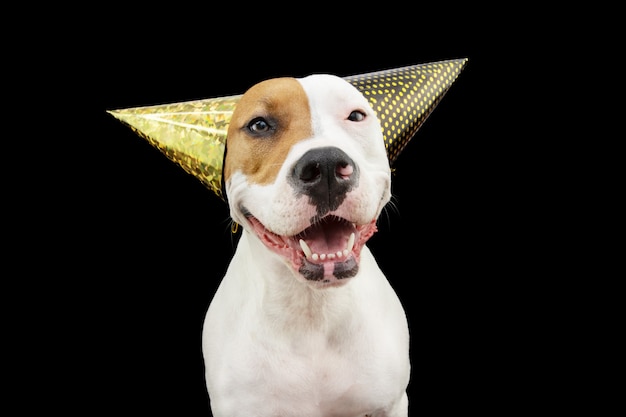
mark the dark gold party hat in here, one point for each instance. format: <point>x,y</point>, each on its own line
<point>404,97</point>
<point>193,133</point>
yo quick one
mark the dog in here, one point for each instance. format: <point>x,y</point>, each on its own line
<point>304,322</point>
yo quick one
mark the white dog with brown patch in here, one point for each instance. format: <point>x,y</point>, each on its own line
<point>304,322</point>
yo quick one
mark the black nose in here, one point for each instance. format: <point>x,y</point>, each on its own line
<point>325,175</point>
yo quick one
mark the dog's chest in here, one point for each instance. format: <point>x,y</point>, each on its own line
<point>301,381</point>
<point>272,363</point>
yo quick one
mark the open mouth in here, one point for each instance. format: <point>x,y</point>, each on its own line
<point>327,250</point>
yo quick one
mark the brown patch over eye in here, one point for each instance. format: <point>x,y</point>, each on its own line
<point>270,117</point>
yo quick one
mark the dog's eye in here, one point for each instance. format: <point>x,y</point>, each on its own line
<point>258,125</point>
<point>356,116</point>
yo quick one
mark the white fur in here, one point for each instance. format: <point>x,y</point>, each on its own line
<point>275,346</point>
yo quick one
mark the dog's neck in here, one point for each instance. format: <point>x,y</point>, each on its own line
<point>288,301</point>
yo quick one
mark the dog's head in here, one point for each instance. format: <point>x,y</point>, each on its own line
<point>306,171</point>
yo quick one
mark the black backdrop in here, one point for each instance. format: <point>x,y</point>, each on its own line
<point>150,243</point>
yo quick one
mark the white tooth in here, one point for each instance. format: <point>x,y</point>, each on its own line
<point>350,243</point>
<point>305,248</point>
<point>339,254</point>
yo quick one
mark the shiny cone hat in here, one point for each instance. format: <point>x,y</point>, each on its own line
<point>193,133</point>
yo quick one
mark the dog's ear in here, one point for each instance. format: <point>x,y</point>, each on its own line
<point>193,134</point>
<point>223,193</point>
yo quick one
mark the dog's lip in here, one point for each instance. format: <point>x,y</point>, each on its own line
<point>328,240</point>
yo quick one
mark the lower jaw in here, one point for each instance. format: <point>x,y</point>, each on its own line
<point>329,273</point>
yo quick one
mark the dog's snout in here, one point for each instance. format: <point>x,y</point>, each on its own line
<point>325,175</point>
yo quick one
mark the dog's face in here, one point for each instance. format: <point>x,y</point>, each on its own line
<point>306,171</point>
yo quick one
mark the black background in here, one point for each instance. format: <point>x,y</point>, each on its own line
<point>145,244</point>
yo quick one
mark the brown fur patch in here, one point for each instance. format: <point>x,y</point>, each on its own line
<point>284,104</point>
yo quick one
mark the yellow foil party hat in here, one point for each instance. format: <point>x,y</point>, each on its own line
<point>193,133</point>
